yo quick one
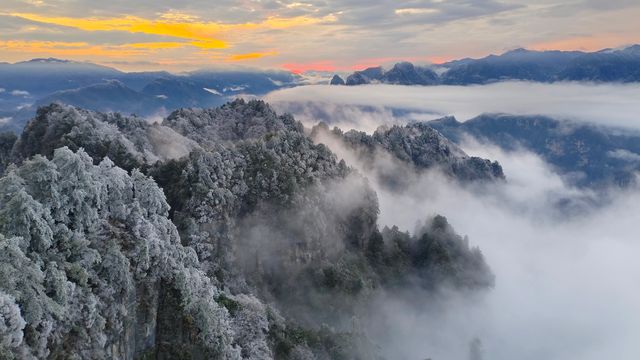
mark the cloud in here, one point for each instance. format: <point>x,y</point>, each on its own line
<point>605,104</point>
<point>626,155</point>
<point>167,143</point>
<point>20,93</point>
<point>565,285</point>
<point>75,49</point>
<point>200,34</point>
<point>2,90</point>
<point>250,56</point>
<point>562,284</point>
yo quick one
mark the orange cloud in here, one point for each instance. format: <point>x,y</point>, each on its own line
<point>206,35</point>
<point>155,45</point>
<point>250,56</point>
<point>67,49</point>
<point>201,34</point>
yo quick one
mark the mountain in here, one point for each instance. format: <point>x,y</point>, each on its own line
<point>235,82</point>
<point>336,80</point>
<point>27,85</point>
<point>222,233</point>
<point>403,73</point>
<point>621,65</point>
<point>588,155</point>
<point>43,76</point>
<point>174,93</point>
<point>605,66</point>
<point>417,146</point>
<point>111,95</point>
<point>114,95</point>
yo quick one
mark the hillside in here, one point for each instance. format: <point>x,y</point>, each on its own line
<point>251,241</point>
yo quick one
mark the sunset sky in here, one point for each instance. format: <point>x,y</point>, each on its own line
<point>333,35</point>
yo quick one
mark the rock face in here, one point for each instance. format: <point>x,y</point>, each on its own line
<point>250,241</point>
<point>589,155</point>
<point>336,80</point>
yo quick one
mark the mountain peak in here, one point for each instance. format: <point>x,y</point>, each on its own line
<point>518,51</point>
<point>633,49</point>
<point>336,80</point>
<point>50,60</point>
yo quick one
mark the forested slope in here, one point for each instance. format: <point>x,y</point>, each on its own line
<point>224,233</point>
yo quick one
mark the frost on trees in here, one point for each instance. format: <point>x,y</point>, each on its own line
<point>85,257</point>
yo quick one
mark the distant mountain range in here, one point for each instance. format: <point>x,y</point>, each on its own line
<point>607,65</point>
<point>26,85</point>
<point>587,155</point>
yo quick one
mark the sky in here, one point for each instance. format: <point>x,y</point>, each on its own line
<point>303,35</point>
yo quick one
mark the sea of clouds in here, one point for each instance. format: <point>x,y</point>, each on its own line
<point>566,284</point>
<point>363,106</point>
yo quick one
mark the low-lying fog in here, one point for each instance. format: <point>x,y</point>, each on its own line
<point>567,287</point>
<point>609,104</point>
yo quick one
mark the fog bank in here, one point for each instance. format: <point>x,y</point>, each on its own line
<point>606,104</point>
<point>566,282</point>
<point>566,287</point>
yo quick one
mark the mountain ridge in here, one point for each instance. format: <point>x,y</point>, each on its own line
<point>607,65</point>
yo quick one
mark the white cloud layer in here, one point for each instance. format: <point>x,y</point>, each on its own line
<point>566,287</point>
<point>606,104</point>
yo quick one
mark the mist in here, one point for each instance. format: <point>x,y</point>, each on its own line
<point>605,104</point>
<point>566,281</point>
<point>566,287</point>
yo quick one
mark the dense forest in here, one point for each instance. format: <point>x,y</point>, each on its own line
<point>224,233</point>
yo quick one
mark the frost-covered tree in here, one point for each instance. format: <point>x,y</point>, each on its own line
<point>130,142</point>
<point>237,120</point>
<point>415,144</point>
<point>83,252</point>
